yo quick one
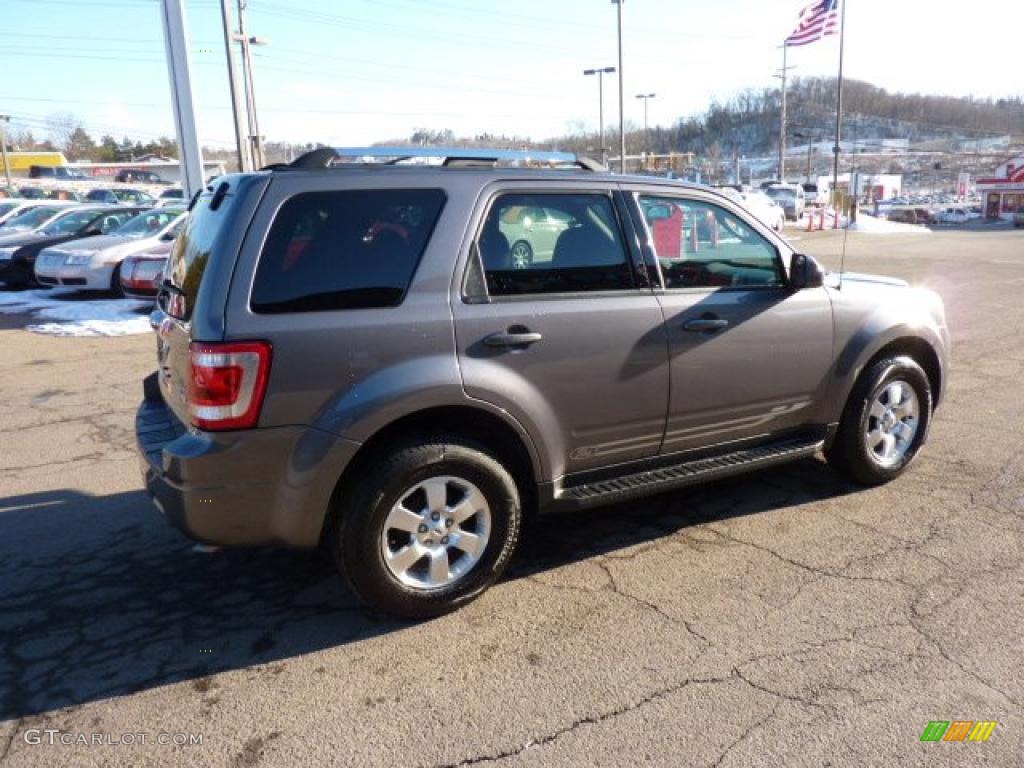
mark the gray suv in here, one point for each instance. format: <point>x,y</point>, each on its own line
<point>351,355</point>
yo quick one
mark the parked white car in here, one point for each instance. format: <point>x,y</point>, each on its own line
<point>953,216</point>
<point>791,197</point>
<point>94,264</point>
<point>765,209</point>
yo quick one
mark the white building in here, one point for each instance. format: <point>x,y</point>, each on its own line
<point>867,186</point>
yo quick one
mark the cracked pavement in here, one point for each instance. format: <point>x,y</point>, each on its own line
<point>784,618</point>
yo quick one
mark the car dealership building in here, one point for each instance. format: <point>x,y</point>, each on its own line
<point>1003,193</point>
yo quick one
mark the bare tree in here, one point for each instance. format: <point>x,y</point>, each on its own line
<point>61,128</point>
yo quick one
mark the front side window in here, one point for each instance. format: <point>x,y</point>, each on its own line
<point>701,245</point>
<point>338,250</point>
<point>553,243</point>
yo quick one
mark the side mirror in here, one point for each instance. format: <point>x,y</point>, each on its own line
<point>805,272</point>
<point>92,232</point>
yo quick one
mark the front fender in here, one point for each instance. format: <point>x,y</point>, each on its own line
<point>861,333</point>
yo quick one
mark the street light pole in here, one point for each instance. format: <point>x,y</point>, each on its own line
<point>647,138</point>
<point>179,70</point>
<point>4,121</point>
<point>622,106</point>
<point>600,72</point>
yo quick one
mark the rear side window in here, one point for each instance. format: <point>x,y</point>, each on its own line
<point>352,249</point>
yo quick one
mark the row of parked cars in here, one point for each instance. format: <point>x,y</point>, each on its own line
<point>112,195</point>
<point>95,247</point>
<point>923,215</point>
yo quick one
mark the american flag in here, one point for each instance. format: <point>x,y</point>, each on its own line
<point>816,20</point>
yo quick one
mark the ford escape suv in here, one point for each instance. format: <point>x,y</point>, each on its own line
<point>351,354</point>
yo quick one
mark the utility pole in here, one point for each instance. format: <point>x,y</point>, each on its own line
<point>255,140</point>
<point>622,104</point>
<point>600,72</point>
<point>190,155</point>
<point>782,121</point>
<point>647,138</point>
<point>4,121</point>
<point>241,137</point>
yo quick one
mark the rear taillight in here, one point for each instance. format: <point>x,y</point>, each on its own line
<point>227,382</point>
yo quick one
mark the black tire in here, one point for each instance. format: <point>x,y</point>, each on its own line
<point>355,538</point>
<point>522,254</point>
<point>115,283</point>
<point>849,452</point>
<point>19,275</point>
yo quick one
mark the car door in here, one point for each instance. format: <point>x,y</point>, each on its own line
<point>749,357</point>
<point>573,346</point>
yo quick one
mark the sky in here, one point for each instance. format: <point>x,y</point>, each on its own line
<point>351,72</point>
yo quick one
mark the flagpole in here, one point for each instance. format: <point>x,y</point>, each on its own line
<point>839,114</point>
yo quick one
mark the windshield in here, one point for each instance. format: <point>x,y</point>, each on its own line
<point>781,193</point>
<point>131,195</point>
<point>33,218</point>
<point>148,224</point>
<point>70,222</point>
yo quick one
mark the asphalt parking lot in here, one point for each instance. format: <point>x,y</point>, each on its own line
<point>786,618</point>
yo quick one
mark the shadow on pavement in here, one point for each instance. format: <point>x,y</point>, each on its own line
<point>99,598</point>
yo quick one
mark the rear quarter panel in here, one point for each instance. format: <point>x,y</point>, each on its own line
<point>351,372</point>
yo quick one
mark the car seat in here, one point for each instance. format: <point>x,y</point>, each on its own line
<point>585,246</point>
<point>495,250</point>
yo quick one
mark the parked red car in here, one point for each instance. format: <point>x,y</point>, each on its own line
<point>141,274</point>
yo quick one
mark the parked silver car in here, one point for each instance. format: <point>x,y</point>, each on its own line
<point>95,263</point>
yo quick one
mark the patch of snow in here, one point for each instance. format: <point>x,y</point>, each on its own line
<point>82,316</point>
<point>871,225</point>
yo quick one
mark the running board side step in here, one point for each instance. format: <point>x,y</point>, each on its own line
<point>686,473</point>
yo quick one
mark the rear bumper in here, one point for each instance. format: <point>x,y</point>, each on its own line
<point>243,488</point>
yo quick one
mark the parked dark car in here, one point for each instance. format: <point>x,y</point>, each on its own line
<point>351,357</point>
<point>18,254</point>
<point>64,194</point>
<point>117,196</point>
<point>139,176</point>
<point>32,193</point>
<point>903,215</point>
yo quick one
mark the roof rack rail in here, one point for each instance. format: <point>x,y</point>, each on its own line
<point>325,157</point>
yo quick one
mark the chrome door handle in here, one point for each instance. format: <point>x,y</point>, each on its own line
<point>507,339</point>
<point>705,325</point>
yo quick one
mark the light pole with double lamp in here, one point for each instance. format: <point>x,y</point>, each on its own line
<point>647,138</point>
<point>600,107</point>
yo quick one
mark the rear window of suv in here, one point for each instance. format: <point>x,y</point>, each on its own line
<point>351,249</point>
